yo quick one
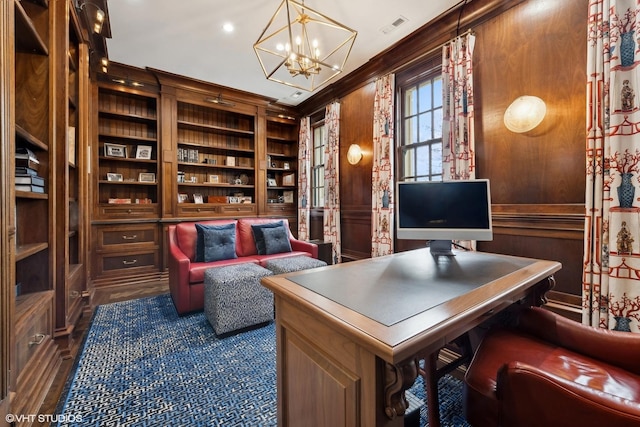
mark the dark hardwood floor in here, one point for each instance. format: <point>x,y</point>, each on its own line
<point>102,295</point>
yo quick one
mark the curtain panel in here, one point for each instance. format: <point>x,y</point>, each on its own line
<point>458,154</point>
<point>304,174</point>
<point>382,213</point>
<point>331,221</point>
<point>611,276</point>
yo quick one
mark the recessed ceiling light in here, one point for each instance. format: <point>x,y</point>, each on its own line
<point>228,27</point>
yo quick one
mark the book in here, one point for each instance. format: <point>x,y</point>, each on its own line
<point>29,179</point>
<point>25,153</point>
<point>23,170</point>
<point>27,163</point>
<point>30,188</point>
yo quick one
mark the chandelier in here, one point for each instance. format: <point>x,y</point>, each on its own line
<point>303,48</point>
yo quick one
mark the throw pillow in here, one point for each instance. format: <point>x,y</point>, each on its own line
<point>276,240</point>
<point>258,236</point>
<point>225,240</point>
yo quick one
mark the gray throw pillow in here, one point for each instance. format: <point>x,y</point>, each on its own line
<point>258,236</point>
<point>276,240</point>
<point>215,242</point>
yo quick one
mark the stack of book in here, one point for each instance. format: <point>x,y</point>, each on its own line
<point>27,178</point>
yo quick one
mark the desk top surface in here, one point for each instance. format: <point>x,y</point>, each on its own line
<point>422,280</point>
<point>398,303</point>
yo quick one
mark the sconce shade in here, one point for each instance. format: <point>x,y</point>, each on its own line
<point>354,155</point>
<point>303,48</point>
<point>524,114</point>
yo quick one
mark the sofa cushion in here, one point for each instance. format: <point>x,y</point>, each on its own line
<point>276,240</point>
<point>187,236</point>
<point>244,235</point>
<point>197,270</point>
<point>258,235</point>
<point>216,242</point>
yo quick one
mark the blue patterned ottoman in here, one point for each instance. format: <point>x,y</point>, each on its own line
<point>235,299</point>
<point>294,263</point>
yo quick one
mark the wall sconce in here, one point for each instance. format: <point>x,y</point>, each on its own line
<point>524,114</point>
<point>354,155</point>
<point>97,17</point>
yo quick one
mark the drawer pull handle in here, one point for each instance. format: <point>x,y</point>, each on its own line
<point>124,237</point>
<point>37,339</point>
<point>125,262</point>
<point>128,210</point>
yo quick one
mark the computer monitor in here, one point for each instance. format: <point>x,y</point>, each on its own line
<point>442,211</point>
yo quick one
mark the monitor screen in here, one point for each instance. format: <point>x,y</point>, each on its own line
<point>444,210</point>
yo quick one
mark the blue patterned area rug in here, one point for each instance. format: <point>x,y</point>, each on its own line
<point>143,365</point>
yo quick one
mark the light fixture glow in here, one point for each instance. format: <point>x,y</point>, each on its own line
<point>354,155</point>
<point>315,47</point>
<point>228,27</point>
<point>524,114</point>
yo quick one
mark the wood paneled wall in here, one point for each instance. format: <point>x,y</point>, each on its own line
<point>532,47</point>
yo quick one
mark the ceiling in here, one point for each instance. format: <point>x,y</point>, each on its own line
<point>186,37</point>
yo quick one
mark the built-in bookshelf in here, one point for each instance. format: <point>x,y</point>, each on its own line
<point>34,353</point>
<point>282,164</point>
<point>127,175</point>
<point>216,160</point>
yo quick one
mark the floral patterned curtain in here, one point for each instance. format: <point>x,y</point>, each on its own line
<point>332,180</point>
<point>611,277</point>
<point>304,172</point>
<point>458,156</point>
<point>458,151</point>
<point>382,214</point>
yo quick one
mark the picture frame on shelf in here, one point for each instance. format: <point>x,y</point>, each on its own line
<point>214,179</point>
<point>147,177</point>
<point>144,152</point>
<point>230,161</point>
<point>271,182</point>
<point>287,196</point>
<point>183,197</point>
<point>114,177</point>
<point>289,180</point>
<point>71,143</point>
<point>286,166</point>
<point>197,198</point>
<point>115,150</point>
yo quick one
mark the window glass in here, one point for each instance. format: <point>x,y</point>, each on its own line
<point>420,143</point>
<point>317,166</point>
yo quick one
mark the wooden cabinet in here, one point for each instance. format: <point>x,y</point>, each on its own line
<point>216,160</point>
<point>71,80</point>
<point>30,220</point>
<point>282,167</point>
<point>126,249</point>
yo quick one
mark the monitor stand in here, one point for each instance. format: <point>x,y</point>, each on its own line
<point>441,248</point>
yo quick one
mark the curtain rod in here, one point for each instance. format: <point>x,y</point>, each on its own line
<point>429,52</point>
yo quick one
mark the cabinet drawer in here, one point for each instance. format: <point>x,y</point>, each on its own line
<point>128,211</point>
<point>33,335</point>
<point>201,209</point>
<point>128,261</point>
<point>238,209</point>
<point>281,209</point>
<point>113,237</point>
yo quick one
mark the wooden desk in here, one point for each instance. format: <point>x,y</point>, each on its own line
<point>349,335</point>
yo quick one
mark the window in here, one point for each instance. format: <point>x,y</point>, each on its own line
<point>420,142</point>
<point>317,165</point>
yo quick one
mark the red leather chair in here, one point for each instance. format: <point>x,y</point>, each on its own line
<point>552,371</point>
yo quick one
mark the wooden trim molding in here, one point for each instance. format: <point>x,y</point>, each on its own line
<point>560,221</point>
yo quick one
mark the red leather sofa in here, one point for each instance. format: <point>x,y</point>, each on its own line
<point>552,371</point>
<point>186,277</point>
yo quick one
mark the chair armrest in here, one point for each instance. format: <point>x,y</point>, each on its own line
<point>531,397</point>
<point>301,245</point>
<point>179,266</point>
<point>614,347</point>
